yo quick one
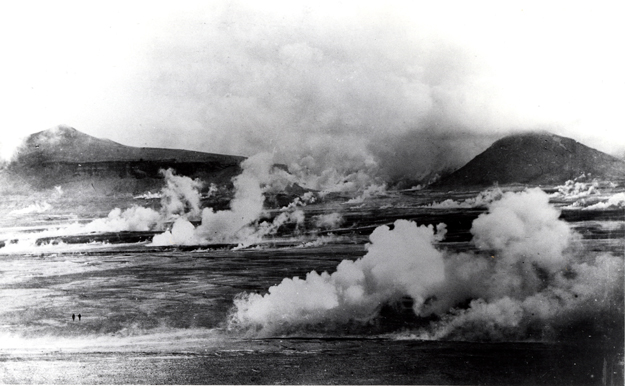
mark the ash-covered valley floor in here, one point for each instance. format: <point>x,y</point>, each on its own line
<point>520,286</point>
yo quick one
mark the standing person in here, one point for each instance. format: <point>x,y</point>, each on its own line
<point>73,317</point>
<point>79,317</point>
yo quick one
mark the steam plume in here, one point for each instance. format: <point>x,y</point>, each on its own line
<point>241,223</point>
<point>180,196</point>
<point>357,288</point>
<point>524,280</point>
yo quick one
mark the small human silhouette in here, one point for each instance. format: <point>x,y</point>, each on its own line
<point>73,316</point>
<point>79,317</point>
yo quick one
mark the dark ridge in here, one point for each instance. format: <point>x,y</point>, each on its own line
<point>537,158</point>
<point>65,156</point>
<point>66,144</point>
<point>86,167</point>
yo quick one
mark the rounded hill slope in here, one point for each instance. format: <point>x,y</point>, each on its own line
<point>66,144</point>
<point>534,158</point>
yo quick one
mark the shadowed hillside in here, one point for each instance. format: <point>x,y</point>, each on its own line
<point>534,159</point>
<point>66,144</point>
<point>65,156</point>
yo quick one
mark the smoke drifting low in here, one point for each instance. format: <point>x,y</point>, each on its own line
<point>357,288</point>
<point>525,280</point>
<point>483,199</point>
<point>241,223</point>
<point>246,221</point>
<point>180,197</point>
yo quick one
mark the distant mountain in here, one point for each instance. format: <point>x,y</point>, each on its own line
<point>66,144</point>
<point>66,156</point>
<point>535,159</point>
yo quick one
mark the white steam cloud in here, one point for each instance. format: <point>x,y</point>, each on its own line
<point>344,84</point>
<point>135,218</point>
<point>523,278</point>
<point>245,208</point>
<point>328,221</point>
<point>180,196</point>
<point>357,288</point>
<point>246,221</point>
<point>524,226</point>
<point>241,223</point>
<point>614,202</point>
<point>574,189</point>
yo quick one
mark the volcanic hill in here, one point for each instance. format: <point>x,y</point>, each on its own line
<point>65,156</point>
<point>537,158</point>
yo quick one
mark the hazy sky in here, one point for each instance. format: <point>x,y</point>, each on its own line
<point>342,81</point>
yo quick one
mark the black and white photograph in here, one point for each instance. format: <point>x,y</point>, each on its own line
<point>312,192</point>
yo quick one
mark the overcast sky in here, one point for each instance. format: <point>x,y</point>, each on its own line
<point>340,81</point>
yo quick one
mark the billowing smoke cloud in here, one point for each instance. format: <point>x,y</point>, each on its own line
<point>340,177</point>
<point>180,196</point>
<point>347,90</point>
<point>247,205</point>
<point>240,223</point>
<point>524,225</point>
<point>585,294</point>
<point>246,221</point>
<point>341,84</point>
<point>357,288</point>
<point>180,199</point>
<point>328,221</point>
<point>368,192</point>
<point>135,218</point>
<point>573,189</point>
<point>525,246</point>
<point>303,82</point>
<point>524,280</point>
<point>615,201</point>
